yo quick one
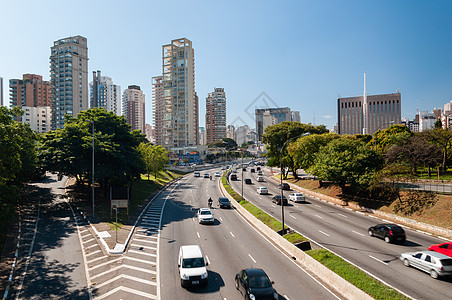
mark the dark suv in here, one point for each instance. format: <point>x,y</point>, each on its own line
<point>277,199</point>
<point>284,186</point>
<point>233,177</point>
<point>389,232</point>
<point>248,181</point>
<point>224,202</point>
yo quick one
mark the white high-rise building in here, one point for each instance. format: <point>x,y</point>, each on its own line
<point>426,120</point>
<point>69,78</point>
<point>38,117</point>
<point>107,95</point>
<point>295,116</point>
<point>179,117</point>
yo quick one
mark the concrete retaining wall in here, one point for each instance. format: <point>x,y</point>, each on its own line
<point>341,285</point>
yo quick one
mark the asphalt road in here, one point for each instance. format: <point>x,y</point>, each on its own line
<point>345,233</point>
<point>230,245</point>
<point>55,269</point>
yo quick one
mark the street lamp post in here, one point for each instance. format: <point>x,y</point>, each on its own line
<point>281,178</point>
<point>92,170</point>
<point>242,176</point>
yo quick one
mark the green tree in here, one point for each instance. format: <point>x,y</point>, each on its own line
<point>304,149</point>
<point>441,137</point>
<point>276,135</point>
<point>155,158</point>
<point>392,135</point>
<point>347,161</point>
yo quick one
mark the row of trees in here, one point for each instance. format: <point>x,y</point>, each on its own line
<point>121,155</point>
<point>360,164</point>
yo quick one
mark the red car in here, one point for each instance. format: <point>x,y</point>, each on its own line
<point>444,248</point>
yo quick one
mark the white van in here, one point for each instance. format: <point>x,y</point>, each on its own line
<point>192,266</point>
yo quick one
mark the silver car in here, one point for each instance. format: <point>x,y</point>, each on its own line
<point>434,263</point>
<point>296,197</point>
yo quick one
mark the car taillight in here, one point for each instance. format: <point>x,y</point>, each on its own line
<point>390,232</point>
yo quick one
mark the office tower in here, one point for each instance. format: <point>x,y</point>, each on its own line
<point>133,107</point>
<point>1,91</point>
<point>230,132</point>
<point>383,111</point>
<point>69,78</point>
<point>281,114</point>
<point>180,103</point>
<point>105,94</point>
<point>30,91</point>
<point>216,116</point>
<point>295,116</point>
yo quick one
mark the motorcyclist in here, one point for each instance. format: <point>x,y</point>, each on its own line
<point>210,177</point>
<point>210,202</point>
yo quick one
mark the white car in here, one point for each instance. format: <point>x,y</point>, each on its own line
<point>205,216</point>
<point>434,263</point>
<point>259,173</point>
<point>297,197</point>
<point>260,179</point>
<point>206,175</point>
<point>262,190</point>
<point>217,174</point>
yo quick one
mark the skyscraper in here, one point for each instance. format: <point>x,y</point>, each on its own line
<point>216,116</point>
<point>69,78</point>
<point>295,116</point>
<point>383,111</point>
<point>1,91</point>
<point>105,94</point>
<point>280,114</point>
<point>133,107</point>
<point>157,108</point>
<point>179,116</point>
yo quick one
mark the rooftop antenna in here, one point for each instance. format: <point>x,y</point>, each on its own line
<point>365,112</point>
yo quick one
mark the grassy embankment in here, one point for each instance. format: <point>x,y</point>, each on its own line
<point>347,271</point>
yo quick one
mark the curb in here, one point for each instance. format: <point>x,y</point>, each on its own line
<point>341,285</point>
<point>121,248</point>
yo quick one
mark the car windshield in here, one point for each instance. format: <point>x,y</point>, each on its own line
<point>197,262</point>
<point>205,212</point>
<point>259,281</point>
<point>446,262</point>
<point>222,200</point>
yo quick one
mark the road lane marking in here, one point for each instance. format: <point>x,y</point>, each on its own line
<point>90,240</point>
<point>221,219</point>
<point>142,253</point>
<point>231,234</point>
<point>96,259</point>
<point>251,258</point>
<point>94,252</point>
<point>142,246</point>
<point>91,246</point>
<point>198,234</point>
<point>317,205</point>
<point>123,276</point>
<point>324,233</point>
<point>319,216</point>
<point>359,233</point>
<point>140,260</point>
<point>292,217</point>
<point>145,241</point>
<point>127,290</point>
<point>105,263</point>
<point>207,258</point>
<point>342,215</point>
<point>427,233</point>
<point>379,260</point>
<point>287,298</point>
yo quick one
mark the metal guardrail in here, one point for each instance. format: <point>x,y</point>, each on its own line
<point>421,185</point>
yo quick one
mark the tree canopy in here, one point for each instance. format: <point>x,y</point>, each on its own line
<point>155,158</point>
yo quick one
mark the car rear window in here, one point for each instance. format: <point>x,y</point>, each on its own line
<point>446,262</point>
<point>397,229</point>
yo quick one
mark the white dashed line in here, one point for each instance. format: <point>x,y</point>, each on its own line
<point>358,233</point>
<point>379,260</point>
<point>292,217</point>
<point>344,216</point>
<point>317,206</point>
<point>324,233</point>
<point>198,234</point>
<point>251,258</point>
<point>207,258</point>
<point>427,233</point>
<point>319,216</point>
<point>231,234</point>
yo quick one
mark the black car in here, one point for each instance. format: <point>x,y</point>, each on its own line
<point>389,232</point>
<point>253,170</point>
<point>224,202</point>
<point>258,168</point>
<point>277,199</point>
<point>248,181</point>
<point>244,169</point>
<point>255,284</point>
<point>284,186</point>
<point>233,177</point>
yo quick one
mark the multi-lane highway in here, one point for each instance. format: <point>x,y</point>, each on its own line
<point>345,233</point>
<point>230,245</point>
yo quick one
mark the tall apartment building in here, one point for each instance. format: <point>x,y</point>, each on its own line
<point>280,114</point>
<point>30,91</point>
<point>295,116</point>
<point>216,116</point>
<point>105,94</point>
<point>179,115</point>
<point>230,132</point>
<point>382,111</point>
<point>38,117</point>
<point>69,78</point>
<point>157,108</point>
<point>133,107</point>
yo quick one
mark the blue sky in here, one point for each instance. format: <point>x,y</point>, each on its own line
<point>301,54</point>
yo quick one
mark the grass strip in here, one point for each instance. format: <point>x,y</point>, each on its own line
<point>354,275</point>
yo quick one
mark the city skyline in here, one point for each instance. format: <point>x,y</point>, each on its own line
<point>331,44</point>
